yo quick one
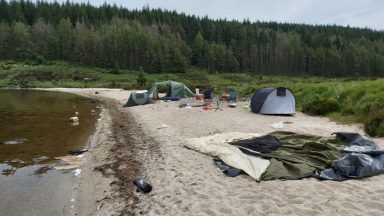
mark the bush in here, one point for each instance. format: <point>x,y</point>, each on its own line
<point>248,90</point>
<point>40,60</point>
<point>141,79</point>
<point>6,66</point>
<point>321,107</point>
<point>240,78</point>
<point>374,118</point>
<point>116,69</point>
<point>55,75</point>
<point>25,82</point>
<point>129,86</point>
<point>112,84</point>
<point>194,77</point>
<point>374,126</point>
<point>202,86</point>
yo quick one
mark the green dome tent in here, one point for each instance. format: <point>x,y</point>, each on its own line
<point>175,89</point>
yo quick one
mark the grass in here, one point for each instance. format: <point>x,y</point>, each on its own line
<point>343,99</point>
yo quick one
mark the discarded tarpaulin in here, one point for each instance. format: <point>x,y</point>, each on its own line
<point>299,156</point>
<point>358,143</point>
<point>355,166</point>
<point>295,156</point>
<point>228,170</point>
<point>366,159</point>
<point>263,144</point>
<point>217,146</point>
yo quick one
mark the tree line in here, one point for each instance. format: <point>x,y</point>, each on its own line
<point>165,41</point>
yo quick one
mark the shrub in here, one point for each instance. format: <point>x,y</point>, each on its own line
<point>374,118</point>
<point>6,66</point>
<point>240,78</point>
<point>25,82</point>
<point>201,86</point>
<point>116,69</point>
<point>374,126</point>
<point>321,107</point>
<point>141,79</point>
<point>112,84</point>
<point>40,59</point>
<point>195,77</point>
<point>247,90</point>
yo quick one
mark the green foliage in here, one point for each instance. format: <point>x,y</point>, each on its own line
<point>40,59</point>
<point>116,69</point>
<point>168,42</point>
<point>321,107</point>
<point>374,126</point>
<point>141,79</point>
<point>358,100</point>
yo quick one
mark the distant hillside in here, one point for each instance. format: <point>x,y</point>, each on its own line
<point>165,41</point>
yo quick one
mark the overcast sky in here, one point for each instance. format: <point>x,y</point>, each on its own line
<point>357,13</point>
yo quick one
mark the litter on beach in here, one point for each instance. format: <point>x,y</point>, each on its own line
<point>185,105</point>
<point>77,172</point>
<point>292,156</point>
<point>77,152</point>
<point>163,126</point>
<point>142,185</point>
<point>74,119</point>
<point>278,125</point>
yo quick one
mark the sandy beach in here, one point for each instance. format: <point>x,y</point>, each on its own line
<point>146,141</point>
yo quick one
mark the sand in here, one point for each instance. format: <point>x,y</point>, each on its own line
<point>186,182</point>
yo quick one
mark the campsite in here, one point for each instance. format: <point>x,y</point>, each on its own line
<point>191,108</point>
<point>186,180</point>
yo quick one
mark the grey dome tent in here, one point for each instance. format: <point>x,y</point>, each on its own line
<point>273,101</point>
<point>137,98</point>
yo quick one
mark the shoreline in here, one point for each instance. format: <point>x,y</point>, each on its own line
<point>109,167</point>
<point>187,183</point>
<point>103,187</point>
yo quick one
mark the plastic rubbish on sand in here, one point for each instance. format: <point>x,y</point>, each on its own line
<point>74,119</point>
<point>184,105</point>
<point>77,172</point>
<point>278,125</point>
<point>77,152</point>
<point>142,185</point>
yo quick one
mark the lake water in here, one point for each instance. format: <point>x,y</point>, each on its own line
<point>34,129</point>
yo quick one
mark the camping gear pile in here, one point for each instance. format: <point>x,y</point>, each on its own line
<point>287,155</point>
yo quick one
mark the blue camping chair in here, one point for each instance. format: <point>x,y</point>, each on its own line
<point>208,94</point>
<point>232,94</point>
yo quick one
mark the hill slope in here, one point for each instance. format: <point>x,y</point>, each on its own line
<point>165,41</point>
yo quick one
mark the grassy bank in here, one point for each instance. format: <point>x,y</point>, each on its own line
<point>343,99</point>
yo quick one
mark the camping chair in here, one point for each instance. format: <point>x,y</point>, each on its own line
<point>232,96</point>
<point>208,94</point>
<point>229,95</point>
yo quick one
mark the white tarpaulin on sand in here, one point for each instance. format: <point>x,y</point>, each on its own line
<point>217,146</point>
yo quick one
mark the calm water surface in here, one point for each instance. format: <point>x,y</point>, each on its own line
<point>35,128</point>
